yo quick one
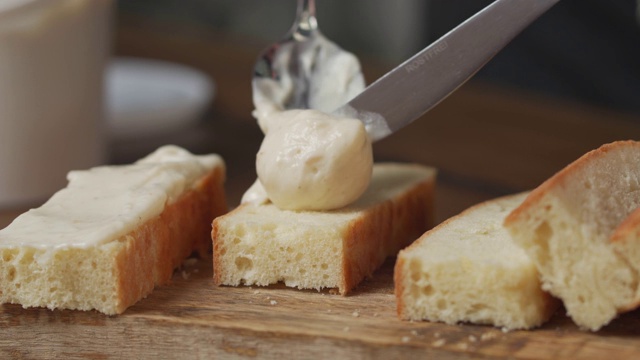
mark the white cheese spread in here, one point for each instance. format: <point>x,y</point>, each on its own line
<point>310,160</point>
<point>101,204</point>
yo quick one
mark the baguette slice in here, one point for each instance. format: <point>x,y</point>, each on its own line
<point>262,245</point>
<point>467,269</point>
<point>114,233</point>
<point>568,227</point>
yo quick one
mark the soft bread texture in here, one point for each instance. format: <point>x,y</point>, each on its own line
<point>115,275</point>
<point>262,245</point>
<point>467,269</point>
<point>574,229</point>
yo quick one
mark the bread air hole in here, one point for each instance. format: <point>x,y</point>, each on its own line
<point>415,270</point>
<point>543,234</point>
<point>27,258</point>
<point>7,256</point>
<point>239,231</point>
<point>11,274</point>
<point>243,263</point>
<point>427,290</point>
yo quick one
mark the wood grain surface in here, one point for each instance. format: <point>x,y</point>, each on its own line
<point>192,318</point>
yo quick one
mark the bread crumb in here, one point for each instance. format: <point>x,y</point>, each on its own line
<point>273,302</point>
<point>462,346</point>
<point>488,336</point>
<point>328,310</point>
<point>185,275</point>
<point>375,314</point>
<point>346,329</point>
<point>438,343</point>
<point>256,292</point>
<point>505,330</point>
<point>355,313</point>
<point>472,338</point>
<point>405,339</point>
<point>436,334</point>
<point>414,332</point>
<point>333,291</point>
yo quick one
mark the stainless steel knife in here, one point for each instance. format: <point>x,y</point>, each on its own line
<point>421,82</point>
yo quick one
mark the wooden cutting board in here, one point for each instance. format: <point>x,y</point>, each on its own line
<point>192,318</point>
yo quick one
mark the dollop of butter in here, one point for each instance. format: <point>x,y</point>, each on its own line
<point>310,160</point>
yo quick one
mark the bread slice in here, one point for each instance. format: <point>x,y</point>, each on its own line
<point>262,245</point>
<point>568,227</point>
<point>111,253</point>
<point>467,269</point>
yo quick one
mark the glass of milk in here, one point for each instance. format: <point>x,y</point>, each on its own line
<point>52,59</point>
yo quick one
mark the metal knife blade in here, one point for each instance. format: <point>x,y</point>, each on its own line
<point>421,82</point>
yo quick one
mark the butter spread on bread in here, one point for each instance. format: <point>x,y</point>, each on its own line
<point>113,234</point>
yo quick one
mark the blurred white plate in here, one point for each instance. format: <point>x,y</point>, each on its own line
<point>150,97</point>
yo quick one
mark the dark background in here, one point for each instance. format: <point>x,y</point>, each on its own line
<point>586,51</point>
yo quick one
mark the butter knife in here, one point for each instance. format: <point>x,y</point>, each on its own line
<point>421,82</point>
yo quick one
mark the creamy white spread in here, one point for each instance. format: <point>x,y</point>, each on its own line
<point>309,159</point>
<point>101,204</point>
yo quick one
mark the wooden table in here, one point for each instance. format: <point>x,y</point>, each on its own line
<point>486,141</point>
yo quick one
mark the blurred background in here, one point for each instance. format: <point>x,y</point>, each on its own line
<point>180,73</point>
<point>582,50</point>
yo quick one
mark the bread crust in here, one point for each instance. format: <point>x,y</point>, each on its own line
<point>410,215</point>
<point>561,177</point>
<point>629,228</point>
<point>181,229</point>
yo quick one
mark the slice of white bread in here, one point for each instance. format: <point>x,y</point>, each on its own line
<point>262,245</point>
<point>49,258</point>
<point>568,227</point>
<point>467,269</point>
